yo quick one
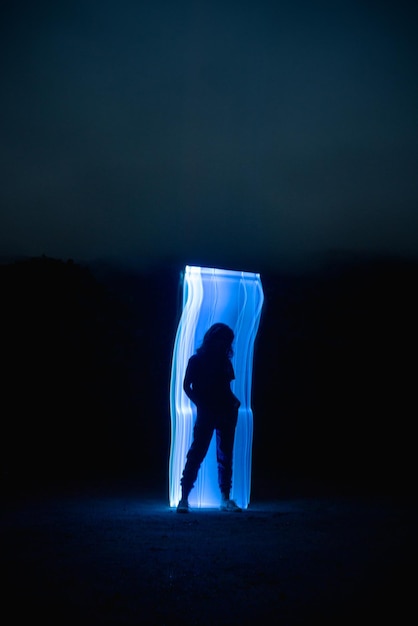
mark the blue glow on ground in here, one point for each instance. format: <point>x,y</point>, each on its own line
<point>235,298</point>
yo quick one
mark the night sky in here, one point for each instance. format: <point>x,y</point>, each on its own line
<point>243,134</point>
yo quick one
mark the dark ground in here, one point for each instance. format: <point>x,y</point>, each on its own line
<point>118,556</point>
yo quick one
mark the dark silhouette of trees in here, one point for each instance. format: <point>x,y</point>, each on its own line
<point>334,387</point>
<point>74,367</point>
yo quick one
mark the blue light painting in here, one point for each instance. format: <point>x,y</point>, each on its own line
<point>235,298</point>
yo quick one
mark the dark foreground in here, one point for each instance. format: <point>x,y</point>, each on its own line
<point>118,557</point>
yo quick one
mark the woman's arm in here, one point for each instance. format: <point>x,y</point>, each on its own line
<point>188,382</point>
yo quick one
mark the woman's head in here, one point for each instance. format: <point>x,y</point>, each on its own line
<point>218,339</point>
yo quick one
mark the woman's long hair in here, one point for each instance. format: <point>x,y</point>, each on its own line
<point>219,337</point>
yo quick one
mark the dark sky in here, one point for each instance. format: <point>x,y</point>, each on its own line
<point>238,134</point>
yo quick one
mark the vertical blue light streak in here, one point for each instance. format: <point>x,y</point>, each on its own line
<point>213,295</point>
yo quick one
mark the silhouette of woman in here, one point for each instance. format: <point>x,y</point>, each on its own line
<point>207,383</point>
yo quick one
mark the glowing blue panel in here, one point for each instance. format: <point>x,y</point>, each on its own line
<point>235,298</point>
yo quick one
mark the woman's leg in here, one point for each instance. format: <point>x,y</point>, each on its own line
<point>202,435</point>
<point>225,435</point>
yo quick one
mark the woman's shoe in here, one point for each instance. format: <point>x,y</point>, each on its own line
<point>229,505</point>
<point>183,506</point>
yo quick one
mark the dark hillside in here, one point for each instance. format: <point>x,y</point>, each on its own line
<point>86,355</point>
